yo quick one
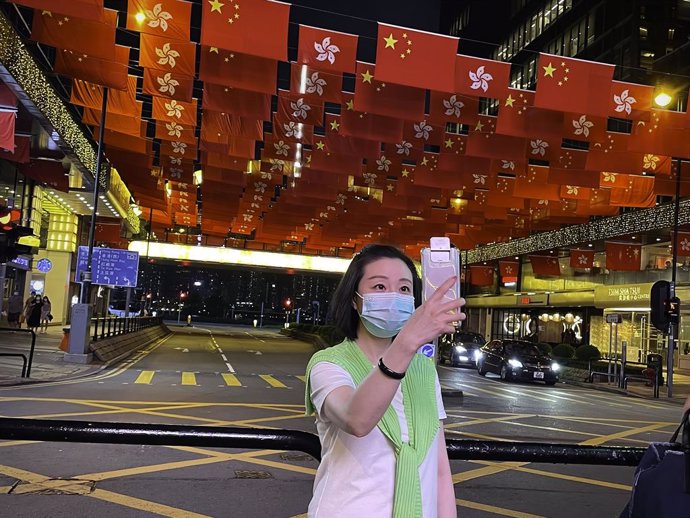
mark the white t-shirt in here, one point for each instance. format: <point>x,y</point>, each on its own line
<point>357,474</point>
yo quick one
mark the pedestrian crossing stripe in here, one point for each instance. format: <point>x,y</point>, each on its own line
<point>188,378</point>
<point>272,381</point>
<point>231,380</point>
<point>145,377</point>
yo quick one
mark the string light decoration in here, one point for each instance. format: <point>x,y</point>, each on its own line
<point>16,59</point>
<point>643,220</point>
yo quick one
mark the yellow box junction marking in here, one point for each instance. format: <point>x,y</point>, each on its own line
<point>145,377</point>
<point>303,378</point>
<point>272,381</point>
<point>231,380</point>
<point>188,378</point>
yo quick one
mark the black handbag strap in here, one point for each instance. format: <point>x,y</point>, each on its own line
<point>685,438</point>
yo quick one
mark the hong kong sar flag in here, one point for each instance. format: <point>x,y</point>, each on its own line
<point>581,258</point>
<point>327,50</point>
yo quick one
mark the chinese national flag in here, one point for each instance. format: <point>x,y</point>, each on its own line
<point>327,50</point>
<point>482,77</point>
<point>639,192</point>
<point>460,109</point>
<point>90,95</point>
<point>415,58</point>
<point>534,184</point>
<point>48,172</point>
<point>481,275</point>
<point>630,101</point>
<point>168,84</point>
<point>7,124</point>
<point>87,9</point>
<point>255,27</point>
<point>545,265</point>
<point>63,32</point>
<point>573,84</point>
<point>20,153</point>
<point>581,258</point>
<point>164,53</point>
<point>623,256</point>
<point>369,126</point>
<point>376,96</point>
<point>129,124</point>
<point>663,134</point>
<point>484,142</point>
<point>508,268</point>
<point>218,126</point>
<point>171,110</point>
<point>236,101</point>
<point>519,118</point>
<point>683,244</point>
<point>339,144</point>
<point>111,73</point>
<point>574,177</point>
<point>108,232</point>
<point>167,18</point>
<point>238,70</point>
<point>7,97</point>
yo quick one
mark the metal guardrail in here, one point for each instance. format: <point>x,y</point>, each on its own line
<point>110,326</point>
<point>26,364</point>
<point>295,440</point>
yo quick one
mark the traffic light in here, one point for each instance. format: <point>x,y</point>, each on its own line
<point>9,243</point>
<point>665,310</point>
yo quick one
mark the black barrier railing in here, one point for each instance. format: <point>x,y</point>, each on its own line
<point>110,326</point>
<point>294,440</point>
<point>26,364</point>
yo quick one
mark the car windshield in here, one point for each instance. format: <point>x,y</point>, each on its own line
<point>470,338</point>
<point>522,349</point>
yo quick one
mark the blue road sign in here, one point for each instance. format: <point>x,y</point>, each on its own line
<point>109,266</point>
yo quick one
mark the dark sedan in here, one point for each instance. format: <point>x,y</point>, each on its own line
<point>460,348</point>
<point>515,359</point>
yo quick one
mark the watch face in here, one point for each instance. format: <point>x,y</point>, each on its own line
<point>44,265</point>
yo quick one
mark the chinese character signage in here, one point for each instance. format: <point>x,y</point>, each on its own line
<point>109,266</point>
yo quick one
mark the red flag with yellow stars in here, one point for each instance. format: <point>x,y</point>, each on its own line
<point>534,184</point>
<point>111,73</point>
<point>481,275</point>
<point>637,192</point>
<point>573,84</point>
<point>368,126</point>
<point>603,156</point>
<point>167,18</point>
<point>234,100</point>
<point>416,58</point>
<point>376,96</point>
<point>545,265</point>
<point>90,95</point>
<point>484,142</point>
<point>623,256</point>
<point>327,50</point>
<point>87,9</point>
<point>164,53</point>
<point>481,77</point>
<point>238,70</point>
<point>254,27</point>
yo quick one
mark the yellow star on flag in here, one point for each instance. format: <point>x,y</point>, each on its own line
<point>510,101</point>
<point>425,161</point>
<point>390,41</point>
<point>405,173</point>
<point>320,145</point>
<point>449,143</point>
<point>334,125</point>
<point>47,13</point>
<point>214,49</point>
<point>479,126</point>
<point>367,77</point>
<point>389,187</point>
<point>216,5</point>
<point>549,70</point>
<point>350,104</point>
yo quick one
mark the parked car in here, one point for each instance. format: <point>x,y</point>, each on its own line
<point>460,348</point>
<point>517,359</point>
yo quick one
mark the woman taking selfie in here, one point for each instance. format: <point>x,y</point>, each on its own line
<point>377,402</point>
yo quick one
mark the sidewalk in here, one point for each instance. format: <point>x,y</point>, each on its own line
<point>638,388</point>
<point>48,364</point>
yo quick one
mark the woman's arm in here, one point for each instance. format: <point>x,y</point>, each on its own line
<point>446,491</point>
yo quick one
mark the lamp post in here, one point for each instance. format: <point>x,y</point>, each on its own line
<point>179,306</point>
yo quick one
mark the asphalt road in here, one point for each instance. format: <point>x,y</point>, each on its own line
<point>247,377</point>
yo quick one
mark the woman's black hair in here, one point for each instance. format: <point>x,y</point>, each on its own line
<point>341,312</point>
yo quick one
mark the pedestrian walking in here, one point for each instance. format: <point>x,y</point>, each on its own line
<point>377,401</point>
<point>14,309</point>
<point>26,311</point>
<point>46,315</point>
<point>33,320</point>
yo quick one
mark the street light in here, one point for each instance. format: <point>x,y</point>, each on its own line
<point>179,306</point>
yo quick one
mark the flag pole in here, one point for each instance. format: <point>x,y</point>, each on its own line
<point>673,306</point>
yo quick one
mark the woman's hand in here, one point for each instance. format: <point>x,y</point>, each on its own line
<point>432,319</point>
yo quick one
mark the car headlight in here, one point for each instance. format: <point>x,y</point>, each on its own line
<point>515,363</point>
<point>555,367</point>
<point>478,355</point>
<point>460,349</point>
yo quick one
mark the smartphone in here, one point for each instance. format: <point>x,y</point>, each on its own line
<point>440,262</point>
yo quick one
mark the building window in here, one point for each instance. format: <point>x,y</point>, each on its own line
<point>643,33</point>
<point>646,59</point>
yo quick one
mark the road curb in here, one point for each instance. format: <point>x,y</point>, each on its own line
<point>451,393</point>
<point>611,390</point>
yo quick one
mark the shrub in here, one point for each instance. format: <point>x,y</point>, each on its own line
<point>331,334</point>
<point>587,353</point>
<point>563,351</point>
<point>544,348</point>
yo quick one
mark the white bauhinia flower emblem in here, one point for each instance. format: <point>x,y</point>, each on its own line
<point>685,245</point>
<point>480,79</point>
<point>281,148</point>
<point>479,178</point>
<point>624,102</point>
<point>369,178</point>
<point>323,215</point>
<point>167,55</point>
<point>315,84</point>
<point>175,160</point>
<point>383,164</point>
<point>300,108</point>
<point>543,202</point>
<point>174,129</point>
<point>453,106</point>
<point>508,164</point>
<point>258,197</point>
<point>308,226</point>
<point>403,148</point>
<point>326,50</point>
<point>254,205</point>
<point>175,173</point>
<point>277,165</point>
<point>572,189</point>
<point>582,126</point>
<point>179,147</point>
<point>509,270</point>
<point>582,259</point>
<point>539,147</point>
<point>167,84</point>
<point>422,130</point>
<point>331,208</point>
<point>174,108</point>
<point>610,177</point>
<point>340,199</point>
<point>290,128</point>
<point>158,17</point>
<point>183,185</point>
<point>260,187</point>
<point>265,175</point>
<point>650,161</point>
<point>247,217</point>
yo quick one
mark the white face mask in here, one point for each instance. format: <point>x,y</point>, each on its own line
<point>384,314</point>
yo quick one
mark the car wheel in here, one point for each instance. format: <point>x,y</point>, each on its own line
<point>505,373</point>
<point>480,368</point>
<point>550,383</point>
